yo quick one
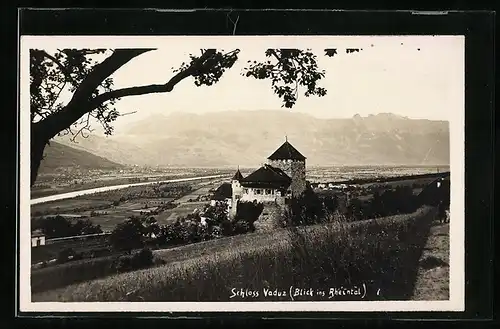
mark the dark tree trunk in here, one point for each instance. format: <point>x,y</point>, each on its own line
<point>38,142</point>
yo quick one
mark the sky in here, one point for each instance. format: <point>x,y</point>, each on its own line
<point>412,76</point>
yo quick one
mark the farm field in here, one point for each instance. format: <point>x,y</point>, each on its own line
<point>68,206</point>
<point>69,182</point>
<point>108,215</point>
<point>186,205</point>
<point>105,213</point>
<point>181,210</point>
<point>203,189</point>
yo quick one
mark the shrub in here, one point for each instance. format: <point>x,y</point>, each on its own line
<point>64,255</point>
<point>128,235</point>
<point>247,213</point>
<point>143,258</point>
<point>123,264</point>
<point>215,232</point>
<point>307,209</point>
<point>400,200</point>
<point>138,260</point>
<point>242,227</point>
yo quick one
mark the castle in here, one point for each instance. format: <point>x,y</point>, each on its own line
<point>281,178</point>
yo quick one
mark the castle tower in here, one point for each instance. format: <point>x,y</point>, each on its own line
<point>293,163</point>
<point>237,191</point>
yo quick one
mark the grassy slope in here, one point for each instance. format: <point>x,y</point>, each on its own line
<point>384,252</point>
<point>434,274</point>
<point>62,156</point>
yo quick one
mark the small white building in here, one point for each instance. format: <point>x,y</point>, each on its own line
<point>37,239</point>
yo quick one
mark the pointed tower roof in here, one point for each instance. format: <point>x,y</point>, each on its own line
<point>238,176</point>
<point>285,152</point>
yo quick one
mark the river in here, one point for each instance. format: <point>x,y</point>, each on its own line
<point>74,194</point>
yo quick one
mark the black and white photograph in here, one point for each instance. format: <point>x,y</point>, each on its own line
<point>242,173</point>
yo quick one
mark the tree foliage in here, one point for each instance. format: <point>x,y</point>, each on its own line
<point>62,72</point>
<point>291,70</point>
<point>128,235</point>
<point>307,209</point>
<point>58,227</point>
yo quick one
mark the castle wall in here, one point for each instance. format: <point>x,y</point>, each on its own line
<point>264,196</point>
<point>296,170</point>
<point>269,219</point>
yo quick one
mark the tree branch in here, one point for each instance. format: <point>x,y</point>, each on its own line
<point>154,88</point>
<point>275,55</point>
<point>82,101</point>
<point>78,105</point>
<point>140,90</point>
<point>103,70</point>
<point>59,64</point>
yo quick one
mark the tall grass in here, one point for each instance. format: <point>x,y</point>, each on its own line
<point>382,254</point>
<point>65,274</point>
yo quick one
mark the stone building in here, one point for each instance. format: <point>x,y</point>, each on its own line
<point>281,178</point>
<point>293,163</point>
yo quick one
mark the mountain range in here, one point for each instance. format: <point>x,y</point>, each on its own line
<point>59,156</point>
<point>247,138</point>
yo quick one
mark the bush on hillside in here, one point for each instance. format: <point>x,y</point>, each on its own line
<point>128,235</point>
<point>246,215</point>
<point>307,209</point>
<point>399,200</point>
<point>138,260</point>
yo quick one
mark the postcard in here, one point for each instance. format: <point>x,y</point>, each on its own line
<point>241,173</point>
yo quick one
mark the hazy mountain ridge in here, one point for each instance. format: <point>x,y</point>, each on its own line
<point>59,156</point>
<point>248,137</point>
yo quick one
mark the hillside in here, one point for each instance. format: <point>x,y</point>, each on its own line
<point>59,156</point>
<point>247,137</point>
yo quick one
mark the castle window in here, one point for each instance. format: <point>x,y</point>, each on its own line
<point>245,191</point>
<point>258,191</point>
<point>268,191</point>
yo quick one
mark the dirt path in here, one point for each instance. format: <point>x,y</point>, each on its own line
<point>433,277</point>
